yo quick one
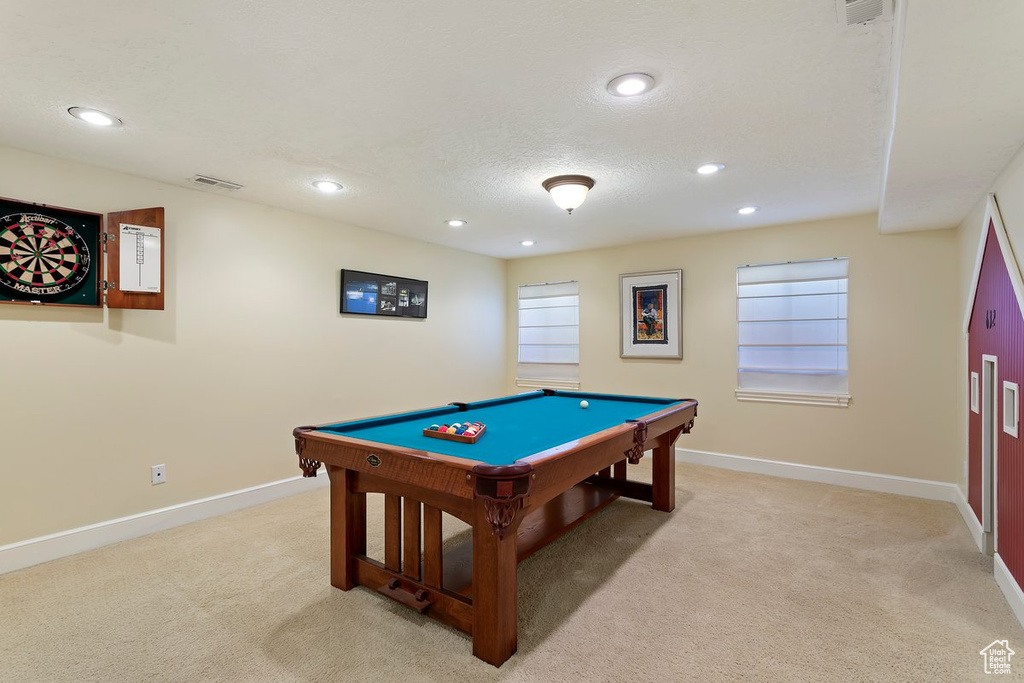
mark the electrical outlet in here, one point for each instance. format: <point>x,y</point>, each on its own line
<point>159,474</point>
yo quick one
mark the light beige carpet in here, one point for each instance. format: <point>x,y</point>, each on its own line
<point>751,578</point>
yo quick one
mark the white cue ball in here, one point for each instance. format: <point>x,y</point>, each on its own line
<point>584,404</point>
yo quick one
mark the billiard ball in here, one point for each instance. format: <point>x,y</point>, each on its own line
<point>435,427</point>
<point>584,404</point>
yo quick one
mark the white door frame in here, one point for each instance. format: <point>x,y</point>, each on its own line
<point>989,468</point>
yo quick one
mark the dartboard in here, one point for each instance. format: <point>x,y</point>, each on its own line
<point>41,256</point>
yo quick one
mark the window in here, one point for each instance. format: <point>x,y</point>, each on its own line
<point>792,332</point>
<point>549,336</point>
<point>974,392</point>
<point>1011,408</point>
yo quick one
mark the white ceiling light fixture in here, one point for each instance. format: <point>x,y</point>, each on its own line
<point>95,117</point>
<point>568,191</point>
<point>630,85</point>
<point>327,186</point>
<point>527,243</point>
<point>747,210</point>
<point>456,222</point>
<point>709,169</point>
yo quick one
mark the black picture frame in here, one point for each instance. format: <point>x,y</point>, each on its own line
<point>50,255</point>
<point>384,296</point>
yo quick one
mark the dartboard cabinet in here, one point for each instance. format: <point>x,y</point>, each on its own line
<point>53,256</point>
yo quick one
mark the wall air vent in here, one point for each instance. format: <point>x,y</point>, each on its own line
<point>856,12</point>
<point>207,181</point>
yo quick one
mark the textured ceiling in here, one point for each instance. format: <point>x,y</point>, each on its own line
<point>426,111</point>
<point>959,110</point>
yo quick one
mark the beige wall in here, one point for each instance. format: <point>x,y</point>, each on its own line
<point>1009,191</point>
<point>903,343</point>
<point>250,346</point>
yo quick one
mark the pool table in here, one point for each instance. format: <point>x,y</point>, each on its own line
<point>542,466</point>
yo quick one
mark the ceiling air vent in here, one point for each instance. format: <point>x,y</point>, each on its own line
<point>207,181</point>
<point>856,12</point>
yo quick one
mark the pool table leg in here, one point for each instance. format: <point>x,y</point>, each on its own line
<point>663,490</point>
<point>348,527</point>
<point>494,592</point>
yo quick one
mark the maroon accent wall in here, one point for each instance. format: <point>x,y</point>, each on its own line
<point>1005,340</point>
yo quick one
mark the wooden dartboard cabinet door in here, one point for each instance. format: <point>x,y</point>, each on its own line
<point>115,296</point>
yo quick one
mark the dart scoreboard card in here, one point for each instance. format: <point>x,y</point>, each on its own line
<point>49,255</point>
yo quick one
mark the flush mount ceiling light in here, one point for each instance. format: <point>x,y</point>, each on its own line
<point>327,185</point>
<point>527,243</point>
<point>708,169</point>
<point>456,222</point>
<point>747,210</point>
<point>629,85</point>
<point>95,117</point>
<point>568,191</point>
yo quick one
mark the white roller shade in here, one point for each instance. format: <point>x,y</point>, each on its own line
<point>792,320</point>
<point>549,335</point>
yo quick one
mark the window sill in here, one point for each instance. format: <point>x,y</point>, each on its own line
<point>833,400</point>
<point>547,384</point>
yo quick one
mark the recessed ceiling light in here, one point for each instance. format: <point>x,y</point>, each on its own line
<point>628,85</point>
<point>95,117</point>
<point>327,185</point>
<point>456,223</point>
<point>708,169</point>
<point>527,243</point>
<point>747,210</point>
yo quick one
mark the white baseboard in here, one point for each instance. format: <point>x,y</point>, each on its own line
<point>45,548</point>
<point>884,483</point>
<point>1011,589</point>
<point>973,525</point>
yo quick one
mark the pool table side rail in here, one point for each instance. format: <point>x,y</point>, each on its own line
<point>336,439</point>
<point>339,426</point>
<point>384,463</point>
<point>625,398</point>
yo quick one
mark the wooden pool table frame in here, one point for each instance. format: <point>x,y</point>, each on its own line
<point>514,510</point>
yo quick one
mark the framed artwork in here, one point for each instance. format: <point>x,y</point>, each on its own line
<point>49,255</point>
<point>383,295</point>
<point>651,314</point>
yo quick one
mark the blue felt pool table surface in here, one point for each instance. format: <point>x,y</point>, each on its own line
<point>517,426</point>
